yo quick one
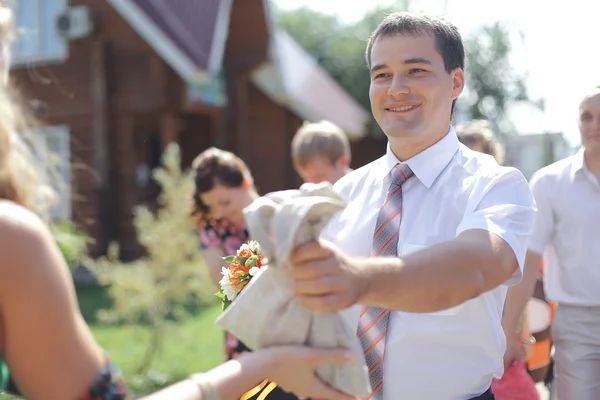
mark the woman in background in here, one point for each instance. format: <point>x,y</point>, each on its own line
<point>224,187</point>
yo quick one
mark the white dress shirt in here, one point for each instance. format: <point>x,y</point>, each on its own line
<point>567,229</point>
<point>452,354</point>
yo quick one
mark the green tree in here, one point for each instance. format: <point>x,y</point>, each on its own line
<point>493,84</point>
<point>71,240</point>
<point>158,288</point>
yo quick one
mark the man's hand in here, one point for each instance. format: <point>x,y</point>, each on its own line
<point>515,352</point>
<point>323,278</point>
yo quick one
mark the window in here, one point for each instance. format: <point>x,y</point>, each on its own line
<point>55,153</point>
<point>37,39</point>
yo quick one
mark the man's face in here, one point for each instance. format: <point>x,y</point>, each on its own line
<point>322,170</point>
<point>411,93</point>
<point>589,123</point>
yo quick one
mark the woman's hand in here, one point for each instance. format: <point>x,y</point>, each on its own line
<point>293,369</point>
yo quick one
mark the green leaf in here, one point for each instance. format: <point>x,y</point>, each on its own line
<point>252,261</point>
<point>241,260</point>
<point>228,259</point>
<point>245,277</point>
<point>220,295</point>
<point>226,302</point>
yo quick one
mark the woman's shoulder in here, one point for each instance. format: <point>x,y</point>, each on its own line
<point>20,225</point>
<point>26,243</point>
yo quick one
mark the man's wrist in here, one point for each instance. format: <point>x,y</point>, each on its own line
<point>511,332</point>
<point>371,275</point>
<point>361,270</point>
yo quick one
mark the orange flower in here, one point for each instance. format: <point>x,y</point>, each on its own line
<point>234,279</point>
<point>246,253</point>
<point>236,266</point>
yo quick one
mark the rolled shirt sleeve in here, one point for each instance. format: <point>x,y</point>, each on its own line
<point>504,205</point>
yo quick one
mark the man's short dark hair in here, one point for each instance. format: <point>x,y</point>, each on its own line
<point>448,41</point>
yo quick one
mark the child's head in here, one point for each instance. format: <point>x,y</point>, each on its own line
<point>320,152</point>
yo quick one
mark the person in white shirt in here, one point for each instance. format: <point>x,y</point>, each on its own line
<point>566,231</point>
<point>427,293</point>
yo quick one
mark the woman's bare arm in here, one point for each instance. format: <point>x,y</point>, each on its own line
<point>47,344</point>
<point>292,367</point>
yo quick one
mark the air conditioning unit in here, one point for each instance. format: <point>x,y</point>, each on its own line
<point>75,23</point>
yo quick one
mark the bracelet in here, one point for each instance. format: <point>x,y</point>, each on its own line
<point>531,340</point>
<point>207,389</point>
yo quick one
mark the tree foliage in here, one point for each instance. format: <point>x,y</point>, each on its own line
<point>158,288</point>
<point>340,49</point>
<point>491,79</point>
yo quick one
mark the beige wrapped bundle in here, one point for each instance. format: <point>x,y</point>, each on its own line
<point>266,313</point>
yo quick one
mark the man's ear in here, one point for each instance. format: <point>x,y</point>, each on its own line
<point>343,162</point>
<point>458,82</point>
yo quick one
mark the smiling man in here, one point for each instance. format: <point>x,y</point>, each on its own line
<point>421,258</point>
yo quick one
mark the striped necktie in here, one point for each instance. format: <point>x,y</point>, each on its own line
<point>373,321</point>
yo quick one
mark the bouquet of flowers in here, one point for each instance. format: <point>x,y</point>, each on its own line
<point>247,263</point>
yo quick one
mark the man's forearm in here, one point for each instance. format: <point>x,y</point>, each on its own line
<point>436,278</point>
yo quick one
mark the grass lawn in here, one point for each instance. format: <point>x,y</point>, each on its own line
<point>194,345</point>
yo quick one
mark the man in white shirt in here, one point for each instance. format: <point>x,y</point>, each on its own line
<point>566,233</point>
<point>427,291</point>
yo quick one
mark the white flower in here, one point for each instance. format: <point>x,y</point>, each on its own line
<point>228,289</point>
<point>231,292</point>
<point>252,245</point>
<point>254,270</point>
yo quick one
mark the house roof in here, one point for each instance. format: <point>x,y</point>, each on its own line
<point>294,78</point>
<point>189,35</point>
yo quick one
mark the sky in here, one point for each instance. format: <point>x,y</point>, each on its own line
<point>558,52</point>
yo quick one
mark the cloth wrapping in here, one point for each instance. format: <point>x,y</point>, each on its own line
<point>266,313</point>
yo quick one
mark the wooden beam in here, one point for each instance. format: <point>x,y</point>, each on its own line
<point>243,118</point>
<point>169,130</point>
<point>99,125</point>
<point>99,142</point>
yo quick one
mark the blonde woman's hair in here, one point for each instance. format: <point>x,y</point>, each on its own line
<point>319,140</point>
<point>480,131</point>
<point>21,174</point>
<point>17,176</point>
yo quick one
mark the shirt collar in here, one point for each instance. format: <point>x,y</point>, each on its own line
<point>428,164</point>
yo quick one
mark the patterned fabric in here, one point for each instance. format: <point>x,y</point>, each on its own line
<point>373,321</point>
<point>108,385</point>
<point>222,236</point>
